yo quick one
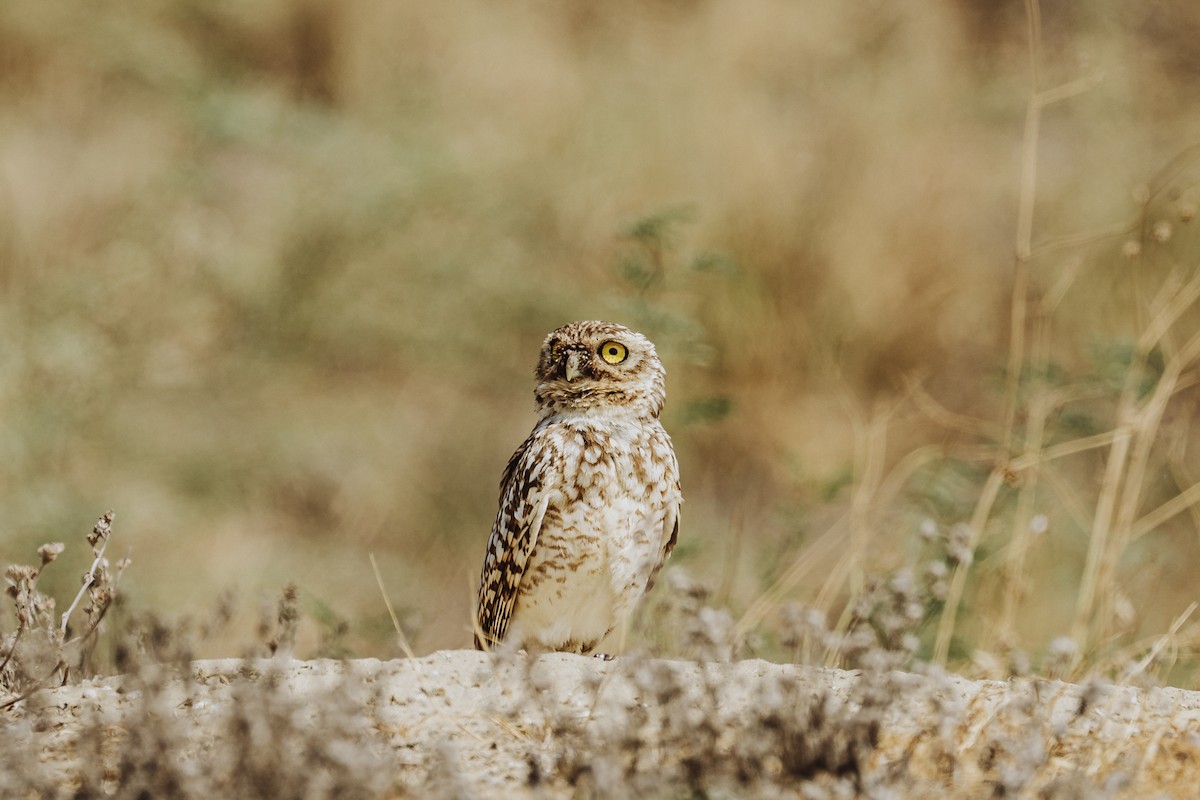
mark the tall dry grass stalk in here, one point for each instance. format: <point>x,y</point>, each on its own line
<point>1024,458</point>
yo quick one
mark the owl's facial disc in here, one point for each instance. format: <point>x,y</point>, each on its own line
<point>597,365</point>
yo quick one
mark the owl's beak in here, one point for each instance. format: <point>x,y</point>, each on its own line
<point>573,368</point>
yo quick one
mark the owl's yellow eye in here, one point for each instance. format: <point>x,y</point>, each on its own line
<point>613,352</point>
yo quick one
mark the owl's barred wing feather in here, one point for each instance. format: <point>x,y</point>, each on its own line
<point>670,523</point>
<point>523,501</point>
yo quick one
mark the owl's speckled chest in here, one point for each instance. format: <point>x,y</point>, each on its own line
<point>611,510</point>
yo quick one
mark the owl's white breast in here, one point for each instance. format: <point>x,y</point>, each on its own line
<point>604,529</point>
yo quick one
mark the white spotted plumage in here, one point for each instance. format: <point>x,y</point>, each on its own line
<point>589,504</point>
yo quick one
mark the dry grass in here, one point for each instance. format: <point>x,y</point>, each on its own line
<point>273,277</point>
<point>460,723</point>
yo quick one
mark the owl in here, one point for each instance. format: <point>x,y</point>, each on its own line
<point>589,504</point>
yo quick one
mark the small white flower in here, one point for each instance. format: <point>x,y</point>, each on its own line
<point>928,529</point>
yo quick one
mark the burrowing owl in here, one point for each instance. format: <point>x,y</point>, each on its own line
<point>589,504</point>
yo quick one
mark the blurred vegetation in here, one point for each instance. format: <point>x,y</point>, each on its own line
<point>274,274</point>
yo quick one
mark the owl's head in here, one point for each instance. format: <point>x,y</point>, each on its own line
<point>599,365</point>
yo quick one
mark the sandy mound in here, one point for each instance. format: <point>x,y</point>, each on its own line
<point>468,724</point>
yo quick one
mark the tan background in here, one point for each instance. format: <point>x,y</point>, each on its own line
<point>273,276</point>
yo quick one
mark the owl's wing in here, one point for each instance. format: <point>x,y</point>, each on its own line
<point>670,523</point>
<point>523,502</point>
<point>670,528</point>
